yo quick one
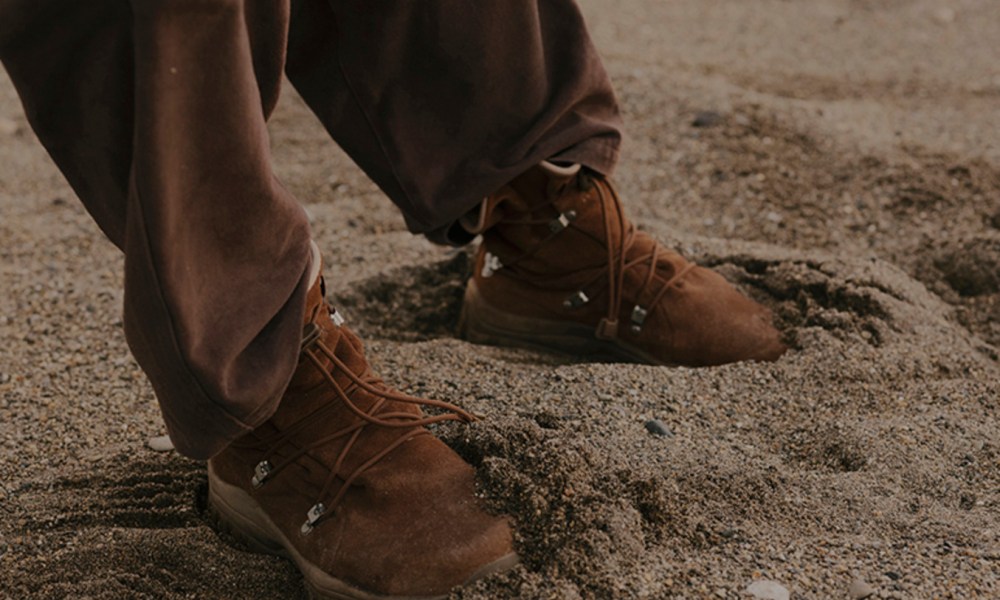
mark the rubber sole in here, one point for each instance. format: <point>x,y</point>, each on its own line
<point>242,516</point>
<point>482,323</point>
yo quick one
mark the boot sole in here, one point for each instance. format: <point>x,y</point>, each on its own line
<point>481,323</point>
<point>242,516</point>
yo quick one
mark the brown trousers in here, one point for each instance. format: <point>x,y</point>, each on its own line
<point>155,111</point>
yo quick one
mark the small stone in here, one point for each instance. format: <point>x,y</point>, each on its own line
<point>944,15</point>
<point>859,590</point>
<point>547,420</point>
<point>658,427</point>
<point>707,118</point>
<point>8,126</point>
<point>160,443</point>
<point>765,589</point>
<point>971,267</point>
<point>892,575</point>
<point>995,220</point>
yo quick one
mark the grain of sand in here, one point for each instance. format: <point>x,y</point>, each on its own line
<point>845,172</point>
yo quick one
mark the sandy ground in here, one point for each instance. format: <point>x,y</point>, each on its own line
<point>846,172</point>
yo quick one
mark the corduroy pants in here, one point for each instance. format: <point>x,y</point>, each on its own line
<point>155,112</point>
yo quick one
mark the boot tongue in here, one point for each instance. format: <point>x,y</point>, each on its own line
<point>556,221</point>
<point>326,328</point>
<point>313,408</point>
<point>329,329</point>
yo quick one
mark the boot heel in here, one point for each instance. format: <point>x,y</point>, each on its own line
<point>469,316</point>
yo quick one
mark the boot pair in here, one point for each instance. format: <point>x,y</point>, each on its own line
<point>345,480</point>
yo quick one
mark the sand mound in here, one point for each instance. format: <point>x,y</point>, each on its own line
<point>858,452</point>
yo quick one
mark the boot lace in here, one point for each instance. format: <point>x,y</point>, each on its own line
<point>379,414</point>
<point>606,277</point>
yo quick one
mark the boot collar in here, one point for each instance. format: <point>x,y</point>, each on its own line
<point>546,175</point>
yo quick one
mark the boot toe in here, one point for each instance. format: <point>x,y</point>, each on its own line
<point>705,321</point>
<point>427,533</point>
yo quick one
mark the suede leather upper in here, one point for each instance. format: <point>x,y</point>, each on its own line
<point>694,316</point>
<point>408,525</point>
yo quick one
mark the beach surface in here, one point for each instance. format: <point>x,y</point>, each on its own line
<point>838,160</point>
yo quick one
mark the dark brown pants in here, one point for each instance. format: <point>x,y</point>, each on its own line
<point>155,111</point>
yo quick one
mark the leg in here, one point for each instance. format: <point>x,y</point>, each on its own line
<point>445,102</point>
<point>206,215</point>
<point>115,92</point>
<point>442,102</point>
<point>328,465</point>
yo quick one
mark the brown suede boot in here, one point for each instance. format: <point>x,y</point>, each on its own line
<point>345,481</point>
<point>561,267</point>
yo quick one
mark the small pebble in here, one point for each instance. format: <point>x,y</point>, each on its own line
<point>944,15</point>
<point>892,575</point>
<point>160,443</point>
<point>707,118</point>
<point>765,589</point>
<point>8,126</point>
<point>859,590</point>
<point>995,220</point>
<point>658,427</point>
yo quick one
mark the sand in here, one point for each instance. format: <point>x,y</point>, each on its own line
<point>839,160</point>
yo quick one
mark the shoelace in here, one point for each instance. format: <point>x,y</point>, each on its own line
<point>313,348</point>
<point>615,267</point>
